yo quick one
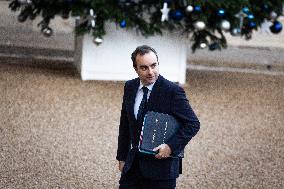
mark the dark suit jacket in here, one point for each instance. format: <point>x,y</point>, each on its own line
<point>166,97</point>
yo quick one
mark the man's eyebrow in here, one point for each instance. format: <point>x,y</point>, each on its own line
<point>145,66</point>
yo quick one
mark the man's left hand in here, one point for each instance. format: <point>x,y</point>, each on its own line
<point>164,151</point>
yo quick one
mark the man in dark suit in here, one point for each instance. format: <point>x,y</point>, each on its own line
<point>152,92</point>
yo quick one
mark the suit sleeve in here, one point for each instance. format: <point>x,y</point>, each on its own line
<point>190,124</point>
<point>123,137</point>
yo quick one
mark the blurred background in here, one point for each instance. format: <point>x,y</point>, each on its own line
<point>58,131</point>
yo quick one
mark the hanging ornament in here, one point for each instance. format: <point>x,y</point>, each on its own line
<point>47,31</point>
<point>213,46</point>
<point>276,27</point>
<point>252,25</point>
<point>98,40</point>
<point>241,15</point>
<point>189,9</point>
<point>235,32</point>
<point>122,24</point>
<point>203,45</point>
<point>265,26</point>
<point>176,15</point>
<point>92,18</point>
<point>225,25</point>
<point>221,12</point>
<point>250,16</point>
<point>199,25</point>
<point>273,15</point>
<point>246,10</point>
<point>197,9</point>
<point>165,12</point>
<point>93,23</point>
<point>88,21</point>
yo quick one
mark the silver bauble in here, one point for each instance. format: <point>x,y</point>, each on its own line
<point>199,25</point>
<point>47,31</point>
<point>235,31</point>
<point>189,8</point>
<point>225,25</point>
<point>98,40</point>
<point>203,45</point>
<point>273,15</point>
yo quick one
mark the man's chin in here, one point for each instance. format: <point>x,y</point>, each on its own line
<point>150,81</point>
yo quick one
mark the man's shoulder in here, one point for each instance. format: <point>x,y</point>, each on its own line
<point>168,84</point>
<point>132,82</point>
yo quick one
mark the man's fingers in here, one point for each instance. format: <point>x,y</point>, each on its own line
<point>160,156</point>
<point>163,152</point>
<point>156,149</point>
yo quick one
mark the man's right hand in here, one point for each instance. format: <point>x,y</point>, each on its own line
<point>121,165</point>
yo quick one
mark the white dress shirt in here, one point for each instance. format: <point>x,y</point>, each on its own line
<point>139,97</point>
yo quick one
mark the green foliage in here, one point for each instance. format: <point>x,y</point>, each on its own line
<point>144,16</point>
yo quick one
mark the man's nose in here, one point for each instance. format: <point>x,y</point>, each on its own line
<point>151,71</point>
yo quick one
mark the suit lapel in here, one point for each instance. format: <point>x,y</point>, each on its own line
<point>155,93</point>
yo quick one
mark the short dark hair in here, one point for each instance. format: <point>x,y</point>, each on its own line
<point>141,50</point>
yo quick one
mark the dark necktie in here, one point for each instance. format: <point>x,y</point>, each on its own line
<point>142,108</point>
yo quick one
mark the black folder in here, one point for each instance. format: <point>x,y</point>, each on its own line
<point>157,129</point>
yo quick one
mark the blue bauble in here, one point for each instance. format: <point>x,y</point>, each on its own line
<point>246,10</point>
<point>176,15</point>
<point>221,12</point>
<point>122,24</point>
<point>197,9</point>
<point>250,16</point>
<point>252,25</point>
<point>276,27</point>
<point>213,46</point>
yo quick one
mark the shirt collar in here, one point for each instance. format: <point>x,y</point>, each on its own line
<point>150,87</point>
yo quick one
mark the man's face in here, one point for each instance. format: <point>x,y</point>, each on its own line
<point>147,68</point>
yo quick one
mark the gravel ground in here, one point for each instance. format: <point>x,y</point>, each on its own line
<point>57,131</point>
